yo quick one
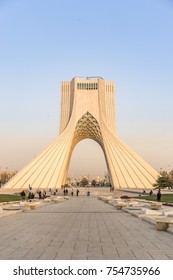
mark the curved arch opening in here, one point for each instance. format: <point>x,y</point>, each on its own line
<point>87,159</point>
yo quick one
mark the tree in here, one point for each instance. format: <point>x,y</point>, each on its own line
<point>171,174</point>
<point>93,183</point>
<point>84,182</point>
<point>4,178</point>
<point>163,182</point>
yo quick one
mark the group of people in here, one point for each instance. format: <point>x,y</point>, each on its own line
<point>24,195</point>
<point>42,194</point>
<point>39,194</point>
<point>158,194</point>
<point>65,191</point>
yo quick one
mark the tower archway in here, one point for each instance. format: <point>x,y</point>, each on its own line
<point>87,159</point>
<point>87,127</point>
<point>87,111</point>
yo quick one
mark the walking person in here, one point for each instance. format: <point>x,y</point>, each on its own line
<point>77,192</point>
<point>30,192</point>
<point>151,192</point>
<point>23,195</point>
<point>44,194</point>
<point>159,195</point>
<point>64,191</point>
<point>39,194</point>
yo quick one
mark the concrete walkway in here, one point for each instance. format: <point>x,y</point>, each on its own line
<point>81,228</point>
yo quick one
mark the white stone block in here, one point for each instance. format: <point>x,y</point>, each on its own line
<point>150,212</point>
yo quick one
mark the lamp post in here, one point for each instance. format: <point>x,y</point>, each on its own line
<point>168,171</point>
<point>6,179</point>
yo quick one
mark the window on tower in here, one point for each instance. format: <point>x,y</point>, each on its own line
<point>87,86</point>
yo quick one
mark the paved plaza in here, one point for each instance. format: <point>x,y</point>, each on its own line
<point>81,228</point>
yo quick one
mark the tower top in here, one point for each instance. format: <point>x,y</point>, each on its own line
<point>88,78</point>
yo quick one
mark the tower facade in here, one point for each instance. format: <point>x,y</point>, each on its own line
<point>87,111</point>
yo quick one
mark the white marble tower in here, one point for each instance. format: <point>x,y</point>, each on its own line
<point>87,111</point>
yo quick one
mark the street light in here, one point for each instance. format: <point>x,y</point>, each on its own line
<point>6,174</point>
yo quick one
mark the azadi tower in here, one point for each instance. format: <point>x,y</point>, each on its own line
<point>87,111</point>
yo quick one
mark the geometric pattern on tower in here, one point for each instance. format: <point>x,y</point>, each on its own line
<point>87,127</point>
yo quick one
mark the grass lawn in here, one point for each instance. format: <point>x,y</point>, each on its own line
<point>164,197</point>
<point>9,197</point>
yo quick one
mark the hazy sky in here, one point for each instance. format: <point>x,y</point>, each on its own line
<point>45,41</point>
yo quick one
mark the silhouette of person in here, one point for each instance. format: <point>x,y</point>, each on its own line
<point>159,195</point>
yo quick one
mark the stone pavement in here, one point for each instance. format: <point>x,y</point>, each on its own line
<point>81,228</point>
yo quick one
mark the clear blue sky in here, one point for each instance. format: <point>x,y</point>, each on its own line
<point>45,41</point>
